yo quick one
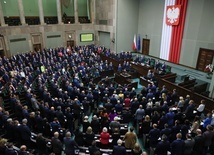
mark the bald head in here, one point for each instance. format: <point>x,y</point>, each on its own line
<point>198,131</point>
<point>68,134</point>
<point>56,134</point>
<point>23,148</point>
<point>179,135</point>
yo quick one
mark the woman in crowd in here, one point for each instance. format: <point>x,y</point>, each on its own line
<point>104,138</point>
<point>89,136</point>
<point>195,126</point>
<point>85,124</point>
<point>3,143</point>
<point>145,128</point>
<point>112,114</point>
<point>115,136</point>
<point>181,103</point>
<point>136,150</point>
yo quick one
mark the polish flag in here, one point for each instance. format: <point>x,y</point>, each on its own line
<point>134,46</point>
<point>172,30</point>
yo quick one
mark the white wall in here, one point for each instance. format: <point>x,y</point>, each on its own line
<point>18,46</point>
<point>126,24</point>
<point>55,41</point>
<point>104,39</point>
<point>199,30</point>
<point>150,23</point>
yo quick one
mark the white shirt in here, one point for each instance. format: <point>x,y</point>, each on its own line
<point>201,107</point>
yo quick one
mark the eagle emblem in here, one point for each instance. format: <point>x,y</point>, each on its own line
<point>172,14</point>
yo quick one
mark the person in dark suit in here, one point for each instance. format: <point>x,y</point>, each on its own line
<point>56,144</point>
<point>3,146</point>
<point>89,136</point>
<point>95,124</point>
<point>162,121</point>
<point>208,137</point>
<point>55,125</point>
<point>10,150</point>
<point>79,137</point>
<point>115,124</point>
<point>23,150</point>
<point>170,117</point>
<point>189,110</point>
<point>25,132</point>
<point>115,136</point>
<point>175,130</point>
<point>70,144</point>
<point>119,149</point>
<point>154,135</point>
<point>41,144</point>
<point>177,146</point>
<point>163,146</point>
<point>93,148</point>
<point>189,144</point>
<point>136,150</point>
<point>199,143</point>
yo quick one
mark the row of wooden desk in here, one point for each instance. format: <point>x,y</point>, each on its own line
<point>125,78</point>
<point>141,69</point>
<point>168,80</point>
<point>114,61</point>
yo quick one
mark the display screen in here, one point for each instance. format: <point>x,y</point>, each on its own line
<point>86,37</point>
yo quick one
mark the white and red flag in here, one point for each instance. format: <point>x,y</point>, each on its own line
<point>134,45</point>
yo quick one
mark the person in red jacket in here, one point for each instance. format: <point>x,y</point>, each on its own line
<point>127,102</point>
<point>104,138</point>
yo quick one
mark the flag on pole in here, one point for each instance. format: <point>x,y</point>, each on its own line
<point>134,47</point>
<point>138,42</point>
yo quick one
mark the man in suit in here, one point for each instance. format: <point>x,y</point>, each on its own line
<point>199,143</point>
<point>115,124</point>
<point>119,149</point>
<point>23,150</point>
<point>208,138</point>
<point>189,110</point>
<point>170,117</point>
<point>25,132</point>
<point>56,144</point>
<point>163,146</point>
<point>70,144</point>
<point>177,146</point>
<point>93,148</point>
<point>154,135</point>
<point>10,150</point>
<point>139,115</point>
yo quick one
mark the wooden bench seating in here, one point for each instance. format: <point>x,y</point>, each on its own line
<point>184,91</point>
<point>144,82</point>
<point>200,88</point>
<point>169,77</point>
<point>187,84</point>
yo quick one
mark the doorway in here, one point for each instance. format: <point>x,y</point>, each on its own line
<point>145,48</point>
<point>37,47</point>
<point>70,43</point>
<point>205,57</point>
<point>2,53</point>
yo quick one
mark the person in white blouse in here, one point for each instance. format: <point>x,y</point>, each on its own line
<point>201,107</point>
